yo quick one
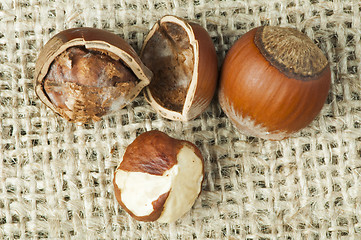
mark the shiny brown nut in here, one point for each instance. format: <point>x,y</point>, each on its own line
<point>84,73</point>
<point>274,82</point>
<point>159,177</point>
<point>183,59</point>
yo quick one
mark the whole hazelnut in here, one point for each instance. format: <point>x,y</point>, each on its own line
<point>183,59</point>
<point>159,177</point>
<point>274,82</point>
<point>84,73</point>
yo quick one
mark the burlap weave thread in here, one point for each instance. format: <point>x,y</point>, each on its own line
<point>56,177</point>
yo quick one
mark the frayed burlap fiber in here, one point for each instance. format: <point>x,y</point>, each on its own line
<point>56,177</point>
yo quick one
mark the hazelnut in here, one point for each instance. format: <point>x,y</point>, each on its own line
<point>159,177</point>
<point>274,82</point>
<point>183,59</point>
<point>84,73</point>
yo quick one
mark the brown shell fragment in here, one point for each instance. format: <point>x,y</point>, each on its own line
<point>184,62</point>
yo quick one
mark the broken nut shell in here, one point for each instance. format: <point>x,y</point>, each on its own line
<point>159,177</point>
<point>183,59</point>
<point>84,73</point>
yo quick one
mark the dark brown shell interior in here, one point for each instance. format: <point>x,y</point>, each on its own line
<point>169,55</point>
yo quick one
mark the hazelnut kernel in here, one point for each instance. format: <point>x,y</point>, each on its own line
<point>159,177</point>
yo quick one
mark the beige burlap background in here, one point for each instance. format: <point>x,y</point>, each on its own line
<point>56,177</point>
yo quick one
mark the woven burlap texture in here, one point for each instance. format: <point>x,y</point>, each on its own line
<point>56,177</point>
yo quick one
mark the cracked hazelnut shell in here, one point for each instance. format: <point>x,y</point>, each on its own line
<point>159,177</point>
<point>274,82</point>
<point>183,59</point>
<point>84,73</point>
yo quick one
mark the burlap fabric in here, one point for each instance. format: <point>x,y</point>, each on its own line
<point>56,177</point>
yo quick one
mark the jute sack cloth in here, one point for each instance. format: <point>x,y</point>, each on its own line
<point>56,177</point>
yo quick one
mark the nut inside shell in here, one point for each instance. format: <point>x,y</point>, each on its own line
<point>274,82</point>
<point>178,52</point>
<point>84,73</point>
